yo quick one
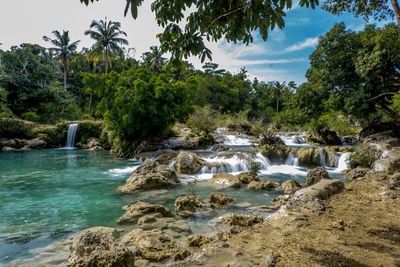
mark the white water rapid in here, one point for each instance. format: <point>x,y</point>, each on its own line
<point>343,162</point>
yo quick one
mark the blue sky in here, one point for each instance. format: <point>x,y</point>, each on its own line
<point>284,57</point>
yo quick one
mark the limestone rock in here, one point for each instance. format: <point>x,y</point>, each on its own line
<point>151,245</point>
<point>309,156</point>
<point>188,163</point>
<point>186,206</point>
<point>290,186</point>
<point>198,240</point>
<point>242,220</point>
<point>267,185</point>
<point>394,182</point>
<point>149,218</point>
<point>356,173</point>
<point>316,175</point>
<point>220,198</point>
<point>93,143</point>
<point>97,249</point>
<point>322,190</point>
<point>179,226</point>
<point>7,148</point>
<point>150,175</point>
<point>226,179</point>
<point>36,143</point>
<point>139,209</point>
<point>96,148</point>
<point>248,177</point>
<point>166,159</point>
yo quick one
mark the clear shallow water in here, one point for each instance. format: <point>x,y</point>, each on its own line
<point>46,195</point>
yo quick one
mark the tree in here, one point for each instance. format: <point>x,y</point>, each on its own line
<point>107,36</point>
<point>234,20</point>
<point>378,9</point>
<point>360,72</point>
<point>278,89</point>
<point>154,59</point>
<point>62,49</point>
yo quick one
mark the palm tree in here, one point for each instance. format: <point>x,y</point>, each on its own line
<point>62,49</point>
<point>154,59</point>
<point>107,36</point>
<point>278,89</point>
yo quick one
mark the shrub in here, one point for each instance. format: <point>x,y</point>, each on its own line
<point>87,129</point>
<point>202,120</point>
<point>364,156</point>
<point>255,167</point>
<point>30,116</point>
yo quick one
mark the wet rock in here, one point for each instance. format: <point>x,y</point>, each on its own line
<point>198,240</point>
<point>152,245</point>
<point>316,175</point>
<point>94,142</point>
<point>96,148</point>
<point>329,137</point>
<point>186,206</point>
<point>309,156</point>
<point>188,163</point>
<point>167,158</point>
<point>97,249</point>
<point>8,148</point>
<point>149,218</point>
<point>139,209</point>
<point>357,173</point>
<point>36,143</point>
<point>267,185</point>
<point>180,226</point>
<point>220,198</point>
<point>248,177</point>
<point>181,255</point>
<point>394,182</point>
<point>290,186</point>
<point>242,220</point>
<point>226,179</point>
<point>280,200</point>
<point>150,175</point>
<point>155,223</point>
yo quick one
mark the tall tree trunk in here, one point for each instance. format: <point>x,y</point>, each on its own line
<point>277,105</point>
<point>396,9</point>
<point>65,74</point>
<point>106,70</point>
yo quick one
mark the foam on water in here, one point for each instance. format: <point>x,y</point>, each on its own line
<point>123,171</point>
<point>343,162</point>
<point>284,169</point>
<point>237,140</point>
<point>294,140</point>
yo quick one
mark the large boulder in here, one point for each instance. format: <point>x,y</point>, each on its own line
<point>95,248</point>
<point>329,137</point>
<point>242,220</point>
<point>267,185</point>
<point>357,173</point>
<point>290,186</point>
<point>248,177</point>
<point>133,212</point>
<point>151,245</point>
<point>394,182</point>
<point>317,175</point>
<point>186,206</point>
<point>188,163</point>
<point>150,175</point>
<point>220,198</point>
<point>227,180</point>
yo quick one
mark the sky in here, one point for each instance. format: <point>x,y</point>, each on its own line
<point>283,57</point>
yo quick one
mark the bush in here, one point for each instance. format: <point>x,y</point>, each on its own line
<point>202,120</point>
<point>87,129</point>
<point>15,128</point>
<point>364,156</point>
<point>30,116</point>
<point>255,167</point>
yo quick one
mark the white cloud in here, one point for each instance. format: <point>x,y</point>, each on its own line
<point>309,42</point>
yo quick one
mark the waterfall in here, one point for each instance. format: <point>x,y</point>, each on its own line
<point>71,135</point>
<point>292,161</point>
<point>343,162</point>
<point>322,157</point>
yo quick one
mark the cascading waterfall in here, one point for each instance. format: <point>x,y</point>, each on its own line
<point>292,160</point>
<point>71,135</point>
<point>322,157</point>
<point>343,162</point>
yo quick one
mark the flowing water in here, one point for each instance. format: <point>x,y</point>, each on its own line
<point>71,135</point>
<point>48,194</point>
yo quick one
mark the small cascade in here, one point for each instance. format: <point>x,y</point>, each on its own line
<point>237,140</point>
<point>322,157</point>
<point>343,162</point>
<point>292,160</point>
<point>71,135</point>
<point>293,140</point>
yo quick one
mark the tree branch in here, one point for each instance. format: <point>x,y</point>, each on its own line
<point>383,94</point>
<point>225,15</point>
